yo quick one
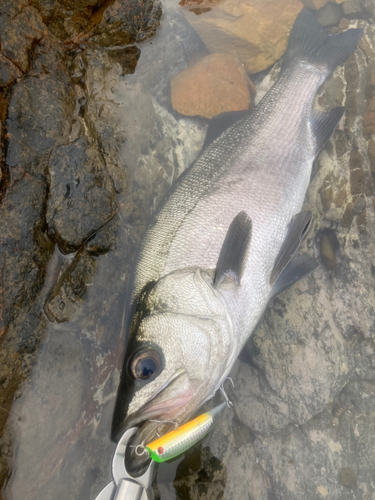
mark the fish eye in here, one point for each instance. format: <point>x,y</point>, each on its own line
<point>145,363</point>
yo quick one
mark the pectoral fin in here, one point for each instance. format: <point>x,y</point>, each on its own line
<point>298,227</point>
<point>233,252</point>
<point>297,268</point>
<point>218,124</point>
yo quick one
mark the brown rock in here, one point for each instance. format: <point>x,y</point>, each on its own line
<point>215,85</point>
<point>318,4</point>
<point>254,31</point>
<point>8,71</point>
<point>18,35</point>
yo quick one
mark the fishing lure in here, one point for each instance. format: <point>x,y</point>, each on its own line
<point>179,440</point>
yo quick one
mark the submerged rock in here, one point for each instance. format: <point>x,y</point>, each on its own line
<point>318,4</point>
<point>215,85</point>
<point>330,14</point>
<point>137,135</point>
<point>254,32</point>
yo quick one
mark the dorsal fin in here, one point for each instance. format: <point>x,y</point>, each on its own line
<point>233,252</point>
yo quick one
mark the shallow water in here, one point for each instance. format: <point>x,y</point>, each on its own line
<point>312,357</point>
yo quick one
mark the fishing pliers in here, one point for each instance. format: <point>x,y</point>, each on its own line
<point>124,486</point>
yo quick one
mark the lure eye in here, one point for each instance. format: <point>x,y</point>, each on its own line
<point>145,364</point>
<point>160,450</point>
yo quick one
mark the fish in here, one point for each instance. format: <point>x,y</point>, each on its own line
<point>183,438</point>
<point>225,241</point>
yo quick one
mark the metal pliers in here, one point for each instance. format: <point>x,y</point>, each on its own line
<point>124,486</point>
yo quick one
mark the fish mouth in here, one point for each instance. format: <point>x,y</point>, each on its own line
<point>157,417</point>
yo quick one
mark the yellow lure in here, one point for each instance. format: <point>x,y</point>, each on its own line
<point>179,440</point>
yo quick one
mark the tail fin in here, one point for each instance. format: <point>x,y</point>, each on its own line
<point>310,43</point>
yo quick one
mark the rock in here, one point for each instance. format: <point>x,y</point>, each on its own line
<point>170,52</point>
<point>352,7</point>
<point>19,33</point>
<point>347,477</point>
<point>318,4</point>
<point>368,6</point>
<point>8,71</point>
<point>38,117</point>
<point>359,206</point>
<point>25,247</point>
<point>81,198</point>
<point>330,14</point>
<point>134,131</point>
<point>44,103</point>
<point>126,21</point>
<point>254,32</point>
<point>215,85</point>
<point>66,18</point>
<point>64,305</point>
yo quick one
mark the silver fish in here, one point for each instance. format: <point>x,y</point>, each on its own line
<point>224,240</point>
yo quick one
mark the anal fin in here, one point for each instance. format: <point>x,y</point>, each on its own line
<point>298,267</point>
<point>323,125</point>
<point>233,252</point>
<point>297,229</point>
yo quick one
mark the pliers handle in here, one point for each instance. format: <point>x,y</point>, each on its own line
<point>124,486</point>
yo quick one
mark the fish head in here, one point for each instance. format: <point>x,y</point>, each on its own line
<point>181,347</point>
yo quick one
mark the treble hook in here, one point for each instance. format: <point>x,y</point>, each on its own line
<point>227,400</point>
<point>160,422</point>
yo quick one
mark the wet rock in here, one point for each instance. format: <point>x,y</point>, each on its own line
<point>64,304</point>
<point>368,6</point>
<point>252,390</point>
<point>347,476</point>
<point>25,247</point>
<point>136,134</point>
<point>19,32</point>
<point>359,206</point>
<point>81,198</point>
<point>330,14</point>
<point>8,71</point>
<point>44,103</point>
<point>318,4</point>
<point>254,32</point>
<point>124,22</point>
<point>66,18</point>
<point>215,85</point>
<point>170,52</point>
<point>352,7</point>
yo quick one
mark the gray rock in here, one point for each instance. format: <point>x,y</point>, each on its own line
<point>82,199</point>
<point>44,103</point>
<point>352,7</point>
<point>330,14</point>
<point>368,6</point>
